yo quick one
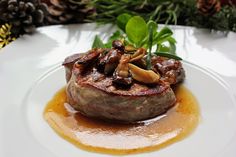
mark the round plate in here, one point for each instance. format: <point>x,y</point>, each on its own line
<point>31,74</point>
<point>216,103</point>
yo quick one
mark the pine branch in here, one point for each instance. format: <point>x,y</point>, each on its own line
<point>180,12</point>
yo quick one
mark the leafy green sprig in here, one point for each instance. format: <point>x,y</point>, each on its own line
<point>135,32</point>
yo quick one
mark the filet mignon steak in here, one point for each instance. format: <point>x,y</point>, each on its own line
<point>95,94</point>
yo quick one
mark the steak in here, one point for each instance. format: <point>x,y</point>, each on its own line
<point>94,93</point>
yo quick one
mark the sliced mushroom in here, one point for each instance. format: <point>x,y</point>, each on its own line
<point>102,60</point>
<point>171,70</point>
<point>87,60</point>
<point>123,68</point>
<point>121,74</point>
<point>117,44</point>
<point>139,54</point>
<point>140,63</point>
<point>112,61</point>
<point>130,48</point>
<point>144,76</point>
<point>109,61</point>
<point>89,57</point>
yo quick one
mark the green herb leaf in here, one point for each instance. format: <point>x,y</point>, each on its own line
<point>152,24</point>
<point>163,35</point>
<point>127,42</point>
<point>116,35</point>
<point>136,30</point>
<point>168,55</point>
<point>171,40</point>
<point>122,20</point>
<point>172,48</point>
<point>163,48</point>
<point>97,43</point>
<point>151,27</point>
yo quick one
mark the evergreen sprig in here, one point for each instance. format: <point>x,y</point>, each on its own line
<point>163,11</point>
<point>180,12</point>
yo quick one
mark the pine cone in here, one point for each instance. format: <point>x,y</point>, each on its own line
<point>208,7</point>
<point>68,11</point>
<point>23,15</point>
<point>228,2</point>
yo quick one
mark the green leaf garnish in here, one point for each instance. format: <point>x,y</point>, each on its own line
<point>151,26</point>
<point>136,30</point>
<point>172,48</point>
<point>122,20</point>
<point>163,48</point>
<point>138,33</point>
<point>171,40</point>
<point>114,36</point>
<point>163,35</point>
<point>168,55</point>
<point>97,43</point>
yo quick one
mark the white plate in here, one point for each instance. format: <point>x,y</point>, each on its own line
<point>30,74</point>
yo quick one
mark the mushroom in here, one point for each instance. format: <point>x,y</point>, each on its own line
<point>85,60</point>
<point>121,74</point>
<point>112,61</point>
<point>144,76</point>
<point>108,62</point>
<point>117,44</point>
<point>122,68</point>
<point>130,48</point>
<point>89,57</point>
<point>139,54</point>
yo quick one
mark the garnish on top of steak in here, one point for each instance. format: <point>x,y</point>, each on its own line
<point>114,84</point>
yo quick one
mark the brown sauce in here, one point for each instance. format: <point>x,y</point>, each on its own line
<point>109,138</point>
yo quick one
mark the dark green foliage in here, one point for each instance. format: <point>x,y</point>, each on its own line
<point>224,20</point>
<point>163,11</point>
<point>181,12</point>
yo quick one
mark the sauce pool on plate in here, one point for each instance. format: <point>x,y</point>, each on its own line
<point>118,139</point>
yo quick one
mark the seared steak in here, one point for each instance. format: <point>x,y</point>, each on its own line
<point>94,95</point>
<point>95,92</point>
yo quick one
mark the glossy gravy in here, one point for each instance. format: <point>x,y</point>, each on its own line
<point>106,137</point>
